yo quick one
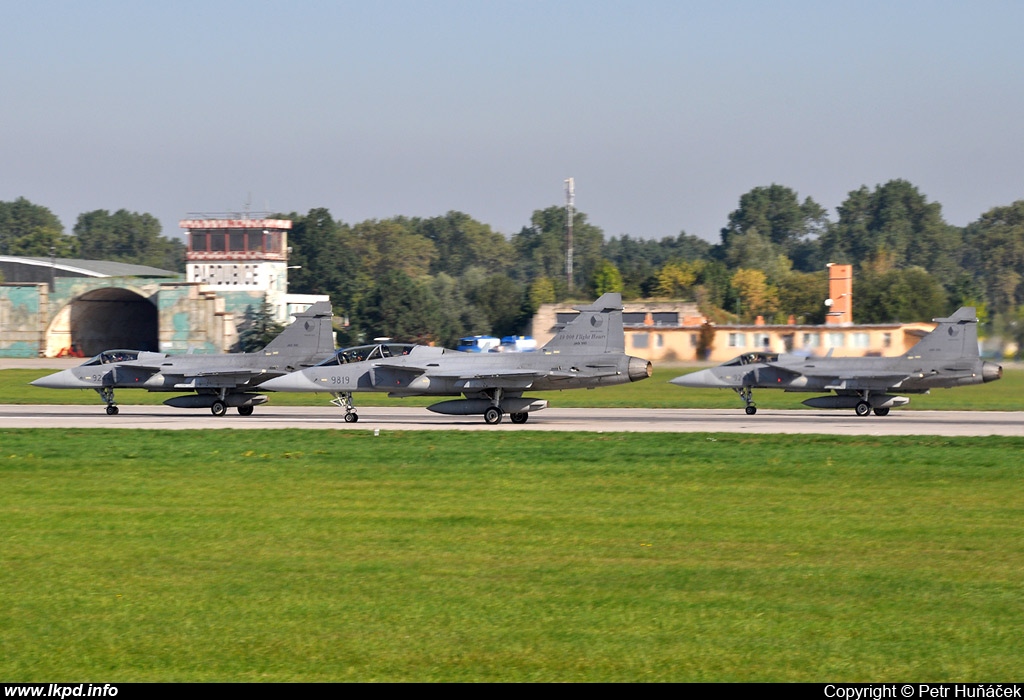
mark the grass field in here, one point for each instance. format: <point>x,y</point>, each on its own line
<point>1004,395</point>
<point>340,556</point>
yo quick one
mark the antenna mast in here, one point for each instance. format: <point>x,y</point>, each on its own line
<point>570,202</point>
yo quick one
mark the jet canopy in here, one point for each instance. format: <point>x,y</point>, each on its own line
<point>361,353</point>
<point>752,358</point>
<point>108,356</point>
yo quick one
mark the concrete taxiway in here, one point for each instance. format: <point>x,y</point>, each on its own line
<point>899,422</point>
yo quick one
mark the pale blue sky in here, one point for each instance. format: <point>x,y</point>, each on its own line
<point>663,112</point>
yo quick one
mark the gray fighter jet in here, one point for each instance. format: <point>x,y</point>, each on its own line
<point>219,381</point>
<point>587,352</point>
<point>946,357</point>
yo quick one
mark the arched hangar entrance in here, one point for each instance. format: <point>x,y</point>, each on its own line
<point>111,318</point>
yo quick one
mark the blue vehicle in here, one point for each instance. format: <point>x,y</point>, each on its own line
<point>517,343</point>
<point>477,343</point>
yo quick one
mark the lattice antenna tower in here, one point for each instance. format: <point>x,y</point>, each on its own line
<point>570,203</point>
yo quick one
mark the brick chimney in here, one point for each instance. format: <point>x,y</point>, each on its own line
<point>840,295</point>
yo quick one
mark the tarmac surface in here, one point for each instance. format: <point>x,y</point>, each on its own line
<point>669,420</point>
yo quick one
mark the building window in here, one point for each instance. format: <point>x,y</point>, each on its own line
<point>861,340</point>
<point>634,318</point>
<point>887,340</point>
<point>659,341</point>
<point>665,318</point>
<point>835,340</point>
<point>640,341</point>
<point>737,340</point>
<point>811,340</point>
<point>761,341</point>
<point>693,340</point>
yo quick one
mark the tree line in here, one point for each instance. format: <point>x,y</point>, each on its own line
<point>31,230</point>
<point>443,277</point>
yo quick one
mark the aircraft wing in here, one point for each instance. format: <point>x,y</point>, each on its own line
<point>591,372</point>
<point>852,381</point>
<point>505,379</point>
<point>168,369</point>
<point>408,369</point>
<point>234,372</point>
<point>216,379</point>
<point>847,378</point>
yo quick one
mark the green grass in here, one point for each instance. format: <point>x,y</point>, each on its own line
<point>340,556</point>
<point>1004,395</point>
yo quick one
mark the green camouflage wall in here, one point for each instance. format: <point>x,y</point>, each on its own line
<point>22,323</point>
<point>189,320</point>
<point>201,321</point>
<point>70,288</point>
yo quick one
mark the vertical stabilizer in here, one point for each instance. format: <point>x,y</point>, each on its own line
<point>310,334</point>
<point>597,328</point>
<point>954,338</point>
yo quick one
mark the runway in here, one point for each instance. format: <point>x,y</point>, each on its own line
<point>603,420</point>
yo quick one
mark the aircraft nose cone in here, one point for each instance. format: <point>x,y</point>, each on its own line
<point>698,379</point>
<point>64,379</point>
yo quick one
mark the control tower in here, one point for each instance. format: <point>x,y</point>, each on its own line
<point>240,257</point>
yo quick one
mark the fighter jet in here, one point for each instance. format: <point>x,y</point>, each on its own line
<point>219,381</point>
<point>587,352</point>
<point>946,357</point>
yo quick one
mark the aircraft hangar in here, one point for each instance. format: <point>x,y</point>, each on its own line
<point>52,307</point>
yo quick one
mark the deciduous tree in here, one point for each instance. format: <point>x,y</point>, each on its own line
<point>32,230</point>
<point>129,237</point>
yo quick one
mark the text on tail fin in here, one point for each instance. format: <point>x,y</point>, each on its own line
<point>953,338</point>
<point>597,328</point>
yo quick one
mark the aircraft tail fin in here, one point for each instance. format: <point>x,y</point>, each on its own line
<point>311,333</point>
<point>954,338</point>
<point>597,328</point>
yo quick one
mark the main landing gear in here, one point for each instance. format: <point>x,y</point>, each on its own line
<point>344,400</point>
<point>494,414</point>
<point>863,408</point>
<point>220,406</point>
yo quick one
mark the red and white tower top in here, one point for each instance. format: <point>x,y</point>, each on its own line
<point>236,239</point>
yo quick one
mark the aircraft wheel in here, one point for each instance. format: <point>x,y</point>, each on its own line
<point>751,410</point>
<point>352,417</point>
<point>492,415</point>
<point>863,408</point>
<point>245,410</point>
<point>519,418</point>
<point>881,411</point>
<point>112,410</point>
<point>218,408</point>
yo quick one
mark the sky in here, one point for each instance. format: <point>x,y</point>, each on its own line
<point>664,113</point>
